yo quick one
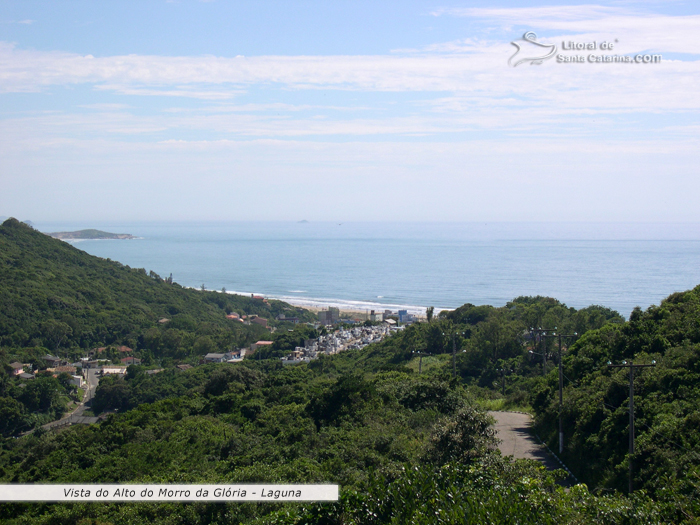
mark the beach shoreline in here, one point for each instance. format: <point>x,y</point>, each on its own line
<point>355,309</point>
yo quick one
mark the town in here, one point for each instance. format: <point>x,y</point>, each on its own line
<point>338,331</point>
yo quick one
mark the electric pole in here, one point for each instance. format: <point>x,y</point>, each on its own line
<point>454,355</point>
<point>631,366</point>
<point>561,388</point>
<point>542,333</point>
<point>420,359</point>
<point>454,351</point>
<point>503,379</point>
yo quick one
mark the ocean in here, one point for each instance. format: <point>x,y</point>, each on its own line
<point>363,266</point>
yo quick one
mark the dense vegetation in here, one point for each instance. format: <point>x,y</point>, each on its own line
<point>405,447</point>
<point>55,296</point>
<point>56,299</point>
<point>667,397</point>
<point>28,404</point>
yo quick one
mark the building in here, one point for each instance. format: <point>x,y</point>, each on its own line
<point>131,361</point>
<point>113,369</point>
<point>215,358</point>
<point>259,320</point>
<point>52,361</point>
<point>405,317</point>
<point>90,363</point>
<point>330,316</point>
<point>61,369</point>
<point>17,368</point>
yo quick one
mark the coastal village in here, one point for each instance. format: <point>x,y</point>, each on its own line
<point>338,333</point>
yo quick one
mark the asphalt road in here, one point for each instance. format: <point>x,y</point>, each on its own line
<point>517,440</point>
<point>90,387</point>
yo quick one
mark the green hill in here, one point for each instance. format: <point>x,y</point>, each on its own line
<point>90,234</point>
<point>56,296</point>
<point>667,401</point>
<point>57,299</point>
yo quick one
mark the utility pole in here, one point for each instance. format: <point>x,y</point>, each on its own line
<point>631,366</point>
<point>542,333</point>
<point>454,355</point>
<point>561,388</point>
<point>420,359</point>
<point>503,380</point>
<point>561,393</point>
<point>454,351</point>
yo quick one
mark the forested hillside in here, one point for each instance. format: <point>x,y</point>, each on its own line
<point>667,401</point>
<point>57,297</point>
<point>405,448</point>
<point>399,425</point>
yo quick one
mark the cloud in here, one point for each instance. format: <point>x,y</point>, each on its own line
<point>637,30</point>
<point>22,22</point>
<point>104,106</point>
<point>482,74</point>
<point>552,13</point>
<point>177,92</point>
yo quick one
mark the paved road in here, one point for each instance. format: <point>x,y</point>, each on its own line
<point>92,382</point>
<point>76,416</point>
<point>514,431</point>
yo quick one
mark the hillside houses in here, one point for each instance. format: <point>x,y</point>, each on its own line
<point>338,341</point>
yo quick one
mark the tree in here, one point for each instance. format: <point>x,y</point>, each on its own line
<point>429,313</point>
<point>55,332</point>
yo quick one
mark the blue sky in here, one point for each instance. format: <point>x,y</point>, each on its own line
<point>408,111</point>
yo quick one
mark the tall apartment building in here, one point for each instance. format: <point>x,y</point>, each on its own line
<point>329,316</point>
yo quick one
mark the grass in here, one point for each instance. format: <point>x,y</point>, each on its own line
<point>502,405</point>
<point>429,362</point>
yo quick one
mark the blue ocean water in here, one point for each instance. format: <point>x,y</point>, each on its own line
<point>414,265</point>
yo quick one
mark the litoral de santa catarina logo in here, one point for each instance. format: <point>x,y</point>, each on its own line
<point>532,51</point>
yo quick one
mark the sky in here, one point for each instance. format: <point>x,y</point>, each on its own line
<point>349,111</point>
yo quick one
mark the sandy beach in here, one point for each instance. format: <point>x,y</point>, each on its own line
<point>347,313</point>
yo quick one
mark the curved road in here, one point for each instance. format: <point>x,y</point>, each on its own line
<point>517,440</point>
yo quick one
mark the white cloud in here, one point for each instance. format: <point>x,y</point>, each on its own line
<point>636,30</point>
<point>482,75</point>
<point>177,92</point>
<point>104,106</point>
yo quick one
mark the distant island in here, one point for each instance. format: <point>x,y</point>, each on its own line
<point>89,234</point>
